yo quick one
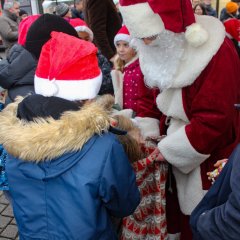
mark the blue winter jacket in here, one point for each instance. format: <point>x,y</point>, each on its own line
<point>73,195</point>
<point>217,216</point>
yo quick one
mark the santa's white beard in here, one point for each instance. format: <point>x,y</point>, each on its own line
<point>160,60</point>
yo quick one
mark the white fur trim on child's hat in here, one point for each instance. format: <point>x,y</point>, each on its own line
<point>68,89</point>
<point>122,37</point>
<point>72,75</point>
<point>85,29</point>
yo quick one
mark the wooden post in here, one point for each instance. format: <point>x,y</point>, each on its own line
<point>217,7</point>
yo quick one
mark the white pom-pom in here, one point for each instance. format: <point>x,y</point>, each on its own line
<point>196,35</point>
<point>50,89</point>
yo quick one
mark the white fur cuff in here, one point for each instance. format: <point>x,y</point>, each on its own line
<point>178,151</point>
<point>149,126</point>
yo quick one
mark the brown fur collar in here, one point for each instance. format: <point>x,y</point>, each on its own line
<point>49,138</point>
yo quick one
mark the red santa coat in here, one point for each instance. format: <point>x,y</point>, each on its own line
<point>204,125</point>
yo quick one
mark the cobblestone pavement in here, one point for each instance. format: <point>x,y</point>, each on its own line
<point>8,228</point>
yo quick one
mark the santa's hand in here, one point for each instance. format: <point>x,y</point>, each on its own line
<point>157,156</point>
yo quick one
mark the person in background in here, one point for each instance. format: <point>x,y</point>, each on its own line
<point>199,9</point>
<point>77,10</point>
<point>9,24</point>
<point>231,11</point>
<point>194,2</point>
<point>18,70</point>
<point>116,2</point>
<point>49,6</point>
<point>224,14</point>
<point>102,18</point>
<point>72,173</point>
<point>209,9</point>
<point>232,27</point>
<point>64,11</point>
<point>22,14</point>
<point>85,33</point>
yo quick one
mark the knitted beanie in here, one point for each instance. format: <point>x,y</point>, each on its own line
<point>40,30</point>
<point>62,9</point>
<point>231,7</point>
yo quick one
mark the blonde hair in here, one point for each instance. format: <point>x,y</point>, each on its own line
<point>118,63</point>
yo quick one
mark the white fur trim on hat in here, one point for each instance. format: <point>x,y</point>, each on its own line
<point>68,89</point>
<point>141,21</point>
<point>85,29</point>
<point>196,35</point>
<point>122,37</point>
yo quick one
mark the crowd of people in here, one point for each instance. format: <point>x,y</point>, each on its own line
<point>121,120</point>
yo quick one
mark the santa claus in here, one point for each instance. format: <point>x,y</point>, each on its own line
<point>197,71</point>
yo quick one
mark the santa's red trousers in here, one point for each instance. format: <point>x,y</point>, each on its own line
<point>176,220</point>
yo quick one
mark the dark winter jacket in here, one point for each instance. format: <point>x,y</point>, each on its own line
<point>210,10</point>
<point>77,14</point>
<point>224,15</point>
<point>217,216</point>
<point>17,73</point>
<point>67,176</point>
<point>8,29</point>
<point>103,19</point>
<point>107,86</point>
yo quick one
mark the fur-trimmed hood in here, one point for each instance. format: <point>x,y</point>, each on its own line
<point>46,139</point>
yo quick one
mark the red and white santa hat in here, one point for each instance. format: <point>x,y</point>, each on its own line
<point>81,26</point>
<point>67,73</point>
<point>232,26</point>
<point>122,35</point>
<point>147,18</point>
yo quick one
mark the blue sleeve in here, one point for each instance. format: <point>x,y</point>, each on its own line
<point>118,188</point>
<point>222,222</point>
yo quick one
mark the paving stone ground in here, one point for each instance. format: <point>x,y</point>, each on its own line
<point>8,228</point>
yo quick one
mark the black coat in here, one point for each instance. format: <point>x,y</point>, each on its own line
<point>17,73</point>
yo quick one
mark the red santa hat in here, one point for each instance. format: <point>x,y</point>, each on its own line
<point>147,18</point>
<point>67,73</point>
<point>24,26</point>
<point>122,35</point>
<point>232,26</point>
<point>81,26</point>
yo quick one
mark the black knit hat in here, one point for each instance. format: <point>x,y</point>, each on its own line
<point>40,31</point>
